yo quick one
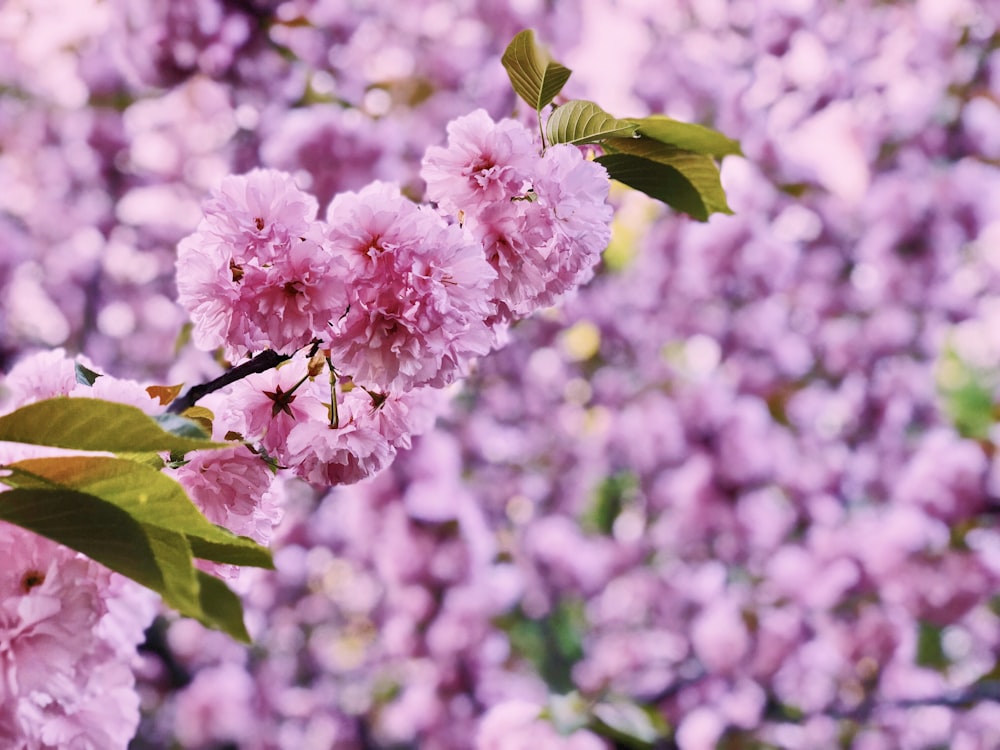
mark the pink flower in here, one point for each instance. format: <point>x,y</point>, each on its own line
<point>266,406</point>
<point>40,376</point>
<point>719,636</point>
<point>401,417</point>
<point>548,243</point>
<point>944,477</point>
<point>418,292</point>
<point>217,707</point>
<point>65,680</point>
<point>574,193</point>
<point>287,411</point>
<point>484,163</point>
<point>49,374</point>
<point>514,238</point>
<point>700,729</point>
<point>232,487</point>
<point>256,275</point>
<point>291,301</point>
<point>543,219</point>
<point>208,292</point>
<point>259,214</point>
<point>352,450</point>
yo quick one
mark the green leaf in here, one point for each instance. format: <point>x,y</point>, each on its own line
<point>629,724</point>
<point>684,180</point>
<point>222,609</point>
<point>201,416</point>
<point>90,424</point>
<point>89,525</point>
<point>930,649</point>
<point>688,136</point>
<point>609,500</point>
<point>181,426</point>
<point>149,496</point>
<point>149,458</point>
<point>660,181</point>
<point>155,557</point>
<point>535,76</point>
<point>967,395</point>
<point>972,411</point>
<point>553,643</point>
<point>579,122</point>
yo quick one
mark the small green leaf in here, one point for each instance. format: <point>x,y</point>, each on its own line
<point>84,375</point>
<point>201,416</point>
<point>147,495</point>
<point>930,649</point>
<point>610,498</point>
<point>90,424</point>
<point>629,724</point>
<point>688,136</point>
<point>535,76</point>
<point>181,426</point>
<point>579,122</point>
<point>553,643</point>
<point>967,395</point>
<point>689,184</point>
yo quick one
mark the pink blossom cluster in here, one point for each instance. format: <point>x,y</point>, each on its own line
<point>68,633</point>
<point>723,472</point>
<point>719,484</point>
<point>69,627</point>
<point>253,276</point>
<point>287,413</point>
<point>543,220</point>
<point>232,487</point>
<point>385,299</point>
<point>400,297</point>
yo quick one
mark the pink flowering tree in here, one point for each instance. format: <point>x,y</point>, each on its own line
<point>340,335</point>
<point>724,480</point>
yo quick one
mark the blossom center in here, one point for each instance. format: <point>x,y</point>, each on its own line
<point>32,579</point>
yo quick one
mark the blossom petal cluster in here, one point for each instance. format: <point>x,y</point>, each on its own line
<point>289,413</point>
<point>69,627</point>
<point>385,297</point>
<point>234,489</point>
<point>542,218</point>
<point>68,632</point>
<point>418,292</point>
<point>254,275</point>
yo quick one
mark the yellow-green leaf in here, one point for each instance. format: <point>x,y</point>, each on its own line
<point>687,136</point>
<point>147,495</point>
<point>90,424</point>
<point>157,558</point>
<point>535,76</point>
<point>579,122</point>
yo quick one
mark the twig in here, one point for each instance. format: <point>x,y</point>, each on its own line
<point>263,362</point>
